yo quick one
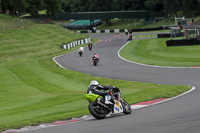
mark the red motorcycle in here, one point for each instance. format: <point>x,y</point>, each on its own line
<point>95,59</point>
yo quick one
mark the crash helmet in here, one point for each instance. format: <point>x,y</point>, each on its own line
<point>96,55</point>
<point>94,82</point>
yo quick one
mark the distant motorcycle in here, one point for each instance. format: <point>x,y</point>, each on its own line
<point>99,109</point>
<point>80,53</point>
<point>95,61</point>
<point>90,46</point>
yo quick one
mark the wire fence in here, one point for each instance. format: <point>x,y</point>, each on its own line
<point>14,24</point>
<point>23,23</point>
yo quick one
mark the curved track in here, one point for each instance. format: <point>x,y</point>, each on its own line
<point>180,115</point>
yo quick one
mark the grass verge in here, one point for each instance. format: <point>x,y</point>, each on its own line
<point>155,52</point>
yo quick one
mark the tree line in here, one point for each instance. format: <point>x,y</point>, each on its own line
<point>189,8</point>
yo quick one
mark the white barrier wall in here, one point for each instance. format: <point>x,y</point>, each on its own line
<point>73,44</point>
<point>98,31</point>
<point>107,31</point>
<point>116,30</point>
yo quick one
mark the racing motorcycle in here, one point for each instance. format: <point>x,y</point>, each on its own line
<point>80,53</point>
<point>90,47</point>
<point>99,107</point>
<point>95,61</point>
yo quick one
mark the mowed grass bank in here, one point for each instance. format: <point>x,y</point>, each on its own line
<point>155,52</point>
<point>36,41</point>
<point>6,18</point>
<point>33,89</point>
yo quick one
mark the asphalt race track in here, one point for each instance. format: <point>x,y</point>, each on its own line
<point>180,115</point>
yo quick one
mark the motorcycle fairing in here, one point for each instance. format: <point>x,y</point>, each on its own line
<point>118,107</point>
<point>91,97</point>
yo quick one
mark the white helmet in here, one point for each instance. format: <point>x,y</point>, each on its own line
<point>94,82</point>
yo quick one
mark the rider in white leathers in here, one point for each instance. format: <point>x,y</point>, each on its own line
<point>81,49</point>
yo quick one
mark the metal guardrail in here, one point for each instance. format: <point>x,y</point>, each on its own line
<point>75,43</point>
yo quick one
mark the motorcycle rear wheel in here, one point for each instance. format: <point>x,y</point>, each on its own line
<point>96,110</point>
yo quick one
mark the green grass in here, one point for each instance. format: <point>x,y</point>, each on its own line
<point>155,52</point>
<point>144,36</point>
<point>36,41</point>
<point>6,18</point>
<point>34,89</point>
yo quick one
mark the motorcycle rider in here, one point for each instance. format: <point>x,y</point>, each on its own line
<point>130,33</point>
<point>101,90</point>
<point>96,56</point>
<point>81,49</point>
<point>90,46</point>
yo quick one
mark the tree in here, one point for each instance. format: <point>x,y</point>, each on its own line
<point>13,6</point>
<point>0,7</point>
<point>52,6</point>
<point>198,6</point>
<point>155,5</point>
<point>89,5</point>
<point>172,6</point>
<point>65,7</point>
<point>189,7</point>
<point>33,7</point>
<point>119,5</point>
<point>138,4</point>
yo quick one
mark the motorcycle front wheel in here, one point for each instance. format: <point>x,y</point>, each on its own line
<point>96,110</point>
<point>126,107</point>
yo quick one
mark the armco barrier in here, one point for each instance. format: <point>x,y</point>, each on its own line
<point>75,43</point>
<point>183,42</point>
<point>168,35</point>
<point>103,31</point>
<point>125,30</point>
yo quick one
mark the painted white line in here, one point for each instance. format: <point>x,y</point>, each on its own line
<point>54,58</point>
<point>142,106</point>
<point>57,62</point>
<point>193,88</point>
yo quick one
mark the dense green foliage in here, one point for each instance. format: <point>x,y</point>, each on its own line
<point>188,7</point>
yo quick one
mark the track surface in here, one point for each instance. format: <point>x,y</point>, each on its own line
<point>181,115</point>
